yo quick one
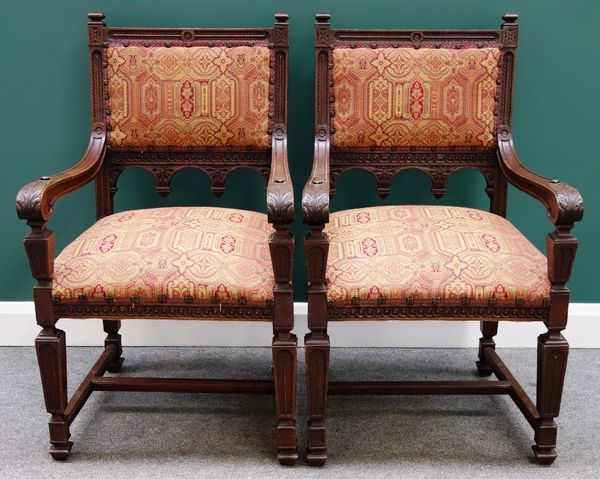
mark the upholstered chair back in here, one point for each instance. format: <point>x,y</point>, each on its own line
<point>178,96</point>
<point>434,100</point>
<point>169,98</point>
<point>407,97</point>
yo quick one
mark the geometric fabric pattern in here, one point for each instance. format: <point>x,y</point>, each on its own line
<point>432,255</point>
<point>209,254</point>
<point>406,97</point>
<point>181,97</point>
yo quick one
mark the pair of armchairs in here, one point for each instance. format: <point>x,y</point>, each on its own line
<point>386,100</point>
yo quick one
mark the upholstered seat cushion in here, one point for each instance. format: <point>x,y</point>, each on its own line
<point>432,255</point>
<point>197,254</point>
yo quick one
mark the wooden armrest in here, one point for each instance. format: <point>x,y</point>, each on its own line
<point>315,197</point>
<point>35,200</point>
<point>280,191</point>
<point>563,202</point>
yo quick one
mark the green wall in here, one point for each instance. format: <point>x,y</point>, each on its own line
<point>45,110</point>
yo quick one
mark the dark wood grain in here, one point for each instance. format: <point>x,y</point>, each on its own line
<point>421,388</point>
<point>500,166</point>
<point>104,165</point>
<point>182,385</point>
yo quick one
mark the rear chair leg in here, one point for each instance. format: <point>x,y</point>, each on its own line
<point>51,351</point>
<point>111,328</point>
<point>489,329</point>
<point>553,351</point>
<point>284,373</point>
<point>316,350</point>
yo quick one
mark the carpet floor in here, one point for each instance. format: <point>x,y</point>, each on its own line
<point>156,435</point>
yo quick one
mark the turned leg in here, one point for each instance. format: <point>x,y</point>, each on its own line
<point>553,351</point>
<point>52,359</point>
<point>284,373</point>
<point>316,350</point>
<point>489,329</point>
<point>111,328</point>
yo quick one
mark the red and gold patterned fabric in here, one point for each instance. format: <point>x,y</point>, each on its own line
<point>391,97</point>
<point>432,254</point>
<point>209,254</point>
<point>195,96</point>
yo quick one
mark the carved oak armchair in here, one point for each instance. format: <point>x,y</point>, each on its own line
<point>438,101</point>
<point>163,100</point>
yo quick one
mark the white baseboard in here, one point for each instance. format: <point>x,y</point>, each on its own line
<point>17,323</point>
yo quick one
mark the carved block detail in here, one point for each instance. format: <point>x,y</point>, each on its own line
<point>163,177</point>
<point>280,36</point>
<point>95,34</point>
<point>281,257</point>
<point>322,36</point>
<point>561,255</point>
<point>316,256</point>
<point>39,246</point>
<point>40,254</point>
<point>510,37</point>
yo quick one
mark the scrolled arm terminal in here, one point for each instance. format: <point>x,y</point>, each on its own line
<point>36,199</point>
<point>563,202</point>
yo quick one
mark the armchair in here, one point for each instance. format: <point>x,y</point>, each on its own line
<point>438,101</point>
<point>163,100</point>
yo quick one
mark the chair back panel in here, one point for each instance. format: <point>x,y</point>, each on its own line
<point>407,97</point>
<point>173,98</point>
<point>188,96</point>
<point>435,100</point>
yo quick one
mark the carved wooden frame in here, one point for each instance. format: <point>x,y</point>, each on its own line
<point>103,164</point>
<point>499,166</point>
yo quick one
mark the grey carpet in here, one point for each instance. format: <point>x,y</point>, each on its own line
<point>149,435</point>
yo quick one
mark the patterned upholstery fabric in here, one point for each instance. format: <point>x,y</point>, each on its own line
<point>390,97</point>
<point>167,254</point>
<point>196,96</point>
<point>432,254</point>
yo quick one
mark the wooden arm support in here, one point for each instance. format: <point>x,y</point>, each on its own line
<point>35,200</point>
<point>564,206</point>
<point>280,191</point>
<point>562,201</point>
<point>315,197</point>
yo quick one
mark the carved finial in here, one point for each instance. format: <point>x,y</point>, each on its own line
<point>96,16</point>
<point>281,17</point>
<point>322,17</point>
<point>510,17</point>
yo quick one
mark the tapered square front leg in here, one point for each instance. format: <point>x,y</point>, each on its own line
<point>316,350</point>
<point>285,377</point>
<point>51,351</point>
<point>553,351</point>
